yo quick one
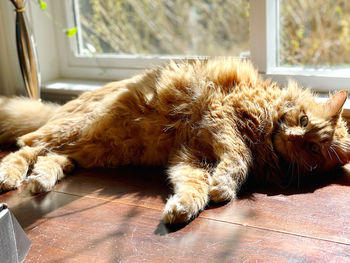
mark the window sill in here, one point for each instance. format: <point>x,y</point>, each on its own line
<point>63,90</point>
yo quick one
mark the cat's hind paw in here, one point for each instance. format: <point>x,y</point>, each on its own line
<point>14,167</point>
<point>47,171</point>
<point>39,183</point>
<point>7,182</point>
<point>12,172</point>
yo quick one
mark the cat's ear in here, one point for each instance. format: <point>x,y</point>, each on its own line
<point>335,104</point>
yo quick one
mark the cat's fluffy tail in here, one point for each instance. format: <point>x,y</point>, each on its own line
<point>19,116</point>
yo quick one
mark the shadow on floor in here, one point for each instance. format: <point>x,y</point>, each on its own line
<point>143,183</point>
<point>302,185</point>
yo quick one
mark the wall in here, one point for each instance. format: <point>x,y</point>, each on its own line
<point>11,82</point>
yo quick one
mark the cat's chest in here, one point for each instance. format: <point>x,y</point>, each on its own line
<point>254,125</point>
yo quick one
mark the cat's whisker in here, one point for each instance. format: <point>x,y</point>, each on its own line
<point>336,154</point>
<point>309,167</point>
<point>329,154</point>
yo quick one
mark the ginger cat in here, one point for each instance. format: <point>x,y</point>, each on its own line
<point>212,122</point>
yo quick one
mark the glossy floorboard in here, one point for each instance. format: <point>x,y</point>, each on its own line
<point>114,215</point>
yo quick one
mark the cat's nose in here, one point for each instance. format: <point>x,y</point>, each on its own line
<point>293,137</point>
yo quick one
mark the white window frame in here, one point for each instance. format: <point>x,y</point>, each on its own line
<point>263,39</point>
<point>100,66</point>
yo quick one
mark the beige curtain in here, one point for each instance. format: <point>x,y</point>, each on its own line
<point>26,52</point>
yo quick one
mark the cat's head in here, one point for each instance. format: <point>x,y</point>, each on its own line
<point>310,136</point>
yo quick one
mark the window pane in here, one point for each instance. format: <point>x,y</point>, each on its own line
<point>162,27</point>
<point>314,33</point>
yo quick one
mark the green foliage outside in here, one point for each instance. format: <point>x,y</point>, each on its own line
<point>312,32</point>
<point>178,27</point>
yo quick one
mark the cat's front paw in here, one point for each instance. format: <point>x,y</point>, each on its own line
<point>181,208</point>
<point>222,190</point>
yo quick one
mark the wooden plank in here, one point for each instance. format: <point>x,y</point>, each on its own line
<point>322,213</point>
<point>319,210</point>
<point>114,214</point>
<point>144,186</point>
<point>91,230</point>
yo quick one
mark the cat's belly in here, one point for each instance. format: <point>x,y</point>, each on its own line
<point>96,155</point>
<point>138,149</point>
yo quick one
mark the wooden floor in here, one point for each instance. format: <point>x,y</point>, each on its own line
<point>114,216</point>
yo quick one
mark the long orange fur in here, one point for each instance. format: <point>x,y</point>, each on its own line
<point>212,122</point>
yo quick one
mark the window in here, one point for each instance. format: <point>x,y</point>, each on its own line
<point>304,40</point>
<point>314,33</point>
<point>117,39</point>
<point>277,41</point>
<point>162,28</point>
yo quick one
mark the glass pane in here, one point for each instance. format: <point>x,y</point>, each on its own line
<point>314,33</point>
<point>163,27</point>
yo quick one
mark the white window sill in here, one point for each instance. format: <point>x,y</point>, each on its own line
<point>62,90</point>
<point>64,86</point>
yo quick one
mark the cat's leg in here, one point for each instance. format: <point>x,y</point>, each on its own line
<point>47,171</point>
<point>232,169</point>
<point>14,167</point>
<point>191,191</point>
<point>227,179</point>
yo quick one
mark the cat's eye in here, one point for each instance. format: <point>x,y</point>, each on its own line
<point>304,121</point>
<point>315,148</point>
